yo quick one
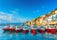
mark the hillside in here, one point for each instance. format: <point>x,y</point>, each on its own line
<point>49,18</point>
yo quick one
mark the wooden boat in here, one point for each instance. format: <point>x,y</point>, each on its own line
<point>25,29</point>
<point>51,30</point>
<point>9,28</point>
<point>18,29</point>
<point>33,31</point>
<point>42,30</point>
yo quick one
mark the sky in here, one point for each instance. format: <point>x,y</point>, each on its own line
<point>15,11</point>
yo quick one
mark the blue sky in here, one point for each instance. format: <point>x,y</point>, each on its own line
<point>22,10</point>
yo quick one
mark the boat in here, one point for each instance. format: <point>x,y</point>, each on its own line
<point>25,29</point>
<point>18,29</point>
<point>33,31</point>
<point>42,30</point>
<point>48,30</point>
<point>9,28</point>
<point>51,30</point>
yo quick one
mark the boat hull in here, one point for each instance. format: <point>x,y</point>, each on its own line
<point>6,29</point>
<point>9,29</point>
<point>42,31</point>
<point>12,29</point>
<point>52,31</point>
<point>33,31</point>
<point>19,30</point>
<point>25,31</point>
<point>48,30</point>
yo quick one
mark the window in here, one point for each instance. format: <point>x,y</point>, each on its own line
<point>56,17</point>
<point>52,18</point>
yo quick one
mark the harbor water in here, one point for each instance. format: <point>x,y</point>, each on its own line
<point>28,36</point>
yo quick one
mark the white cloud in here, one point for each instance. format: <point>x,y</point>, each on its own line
<point>18,19</point>
<point>22,19</point>
<point>7,17</point>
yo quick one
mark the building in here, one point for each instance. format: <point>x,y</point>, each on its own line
<point>48,19</point>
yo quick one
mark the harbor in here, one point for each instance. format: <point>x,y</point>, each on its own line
<point>26,36</point>
<point>42,24</point>
<point>28,19</point>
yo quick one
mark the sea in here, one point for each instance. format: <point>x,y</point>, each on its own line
<point>28,36</point>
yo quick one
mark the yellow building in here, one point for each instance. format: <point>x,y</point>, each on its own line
<point>28,23</point>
